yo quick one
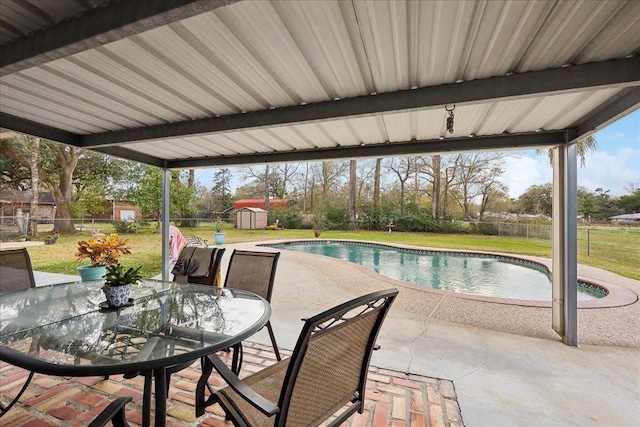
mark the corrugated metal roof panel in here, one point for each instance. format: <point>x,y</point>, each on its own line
<point>256,55</point>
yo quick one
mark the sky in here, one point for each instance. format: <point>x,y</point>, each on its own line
<point>614,166</point>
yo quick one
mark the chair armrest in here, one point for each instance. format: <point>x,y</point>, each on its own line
<point>114,413</point>
<point>260,403</point>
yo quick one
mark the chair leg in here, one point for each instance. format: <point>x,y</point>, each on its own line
<point>273,341</point>
<point>236,361</point>
<point>5,409</point>
<point>207,368</point>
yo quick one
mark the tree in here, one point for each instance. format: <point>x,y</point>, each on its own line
<point>536,200</point>
<point>477,178</point>
<point>403,168</point>
<point>630,203</point>
<point>56,163</point>
<point>35,187</point>
<point>145,190</point>
<point>221,191</point>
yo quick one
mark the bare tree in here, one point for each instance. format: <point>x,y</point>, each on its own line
<point>402,168</point>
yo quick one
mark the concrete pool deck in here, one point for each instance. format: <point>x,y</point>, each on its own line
<point>507,365</point>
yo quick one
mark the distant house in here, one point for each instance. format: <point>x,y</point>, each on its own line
<point>629,219</point>
<point>118,210</point>
<point>17,203</point>
<point>259,203</point>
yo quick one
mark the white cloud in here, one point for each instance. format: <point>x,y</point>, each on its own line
<point>611,170</point>
<point>525,169</point>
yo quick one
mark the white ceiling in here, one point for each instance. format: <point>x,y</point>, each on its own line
<point>208,83</point>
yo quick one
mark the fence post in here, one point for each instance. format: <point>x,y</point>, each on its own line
<point>588,241</point>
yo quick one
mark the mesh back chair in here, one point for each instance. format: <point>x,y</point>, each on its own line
<point>254,272</point>
<point>15,270</point>
<point>198,265</point>
<point>326,372</point>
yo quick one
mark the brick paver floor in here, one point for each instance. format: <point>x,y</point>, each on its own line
<point>393,399</point>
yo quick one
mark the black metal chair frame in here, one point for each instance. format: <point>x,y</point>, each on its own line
<point>334,318</point>
<point>114,412</point>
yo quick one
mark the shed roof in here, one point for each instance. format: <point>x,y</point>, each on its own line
<point>194,83</point>
<point>256,210</point>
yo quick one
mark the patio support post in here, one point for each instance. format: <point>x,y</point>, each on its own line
<point>166,179</point>
<point>565,238</point>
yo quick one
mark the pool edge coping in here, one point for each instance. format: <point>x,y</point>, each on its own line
<point>618,296</point>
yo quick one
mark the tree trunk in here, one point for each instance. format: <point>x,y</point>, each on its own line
<point>376,184</point>
<point>353,221</point>
<point>63,191</point>
<point>35,187</point>
<point>435,203</point>
<point>192,179</point>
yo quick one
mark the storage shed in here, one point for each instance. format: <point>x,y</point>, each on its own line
<point>251,218</point>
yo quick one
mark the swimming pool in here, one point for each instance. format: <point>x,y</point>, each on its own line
<point>461,272</point>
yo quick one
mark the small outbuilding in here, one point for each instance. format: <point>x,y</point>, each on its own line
<point>251,218</point>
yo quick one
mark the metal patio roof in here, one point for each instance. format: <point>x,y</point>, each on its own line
<point>194,83</point>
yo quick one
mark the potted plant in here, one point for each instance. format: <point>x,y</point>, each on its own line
<point>218,226</point>
<point>118,282</point>
<point>102,252</point>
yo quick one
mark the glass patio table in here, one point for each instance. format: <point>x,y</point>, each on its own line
<point>64,330</point>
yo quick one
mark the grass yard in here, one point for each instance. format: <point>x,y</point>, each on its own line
<point>616,251</point>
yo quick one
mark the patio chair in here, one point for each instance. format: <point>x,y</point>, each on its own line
<point>15,270</point>
<point>114,413</point>
<point>326,372</point>
<point>15,274</point>
<point>254,272</point>
<point>198,265</point>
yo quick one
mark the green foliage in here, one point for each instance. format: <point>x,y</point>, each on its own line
<point>597,205</point>
<point>219,226</point>
<point>536,200</point>
<point>145,190</point>
<point>630,203</point>
<point>123,227</point>
<point>118,276</point>
<point>291,217</point>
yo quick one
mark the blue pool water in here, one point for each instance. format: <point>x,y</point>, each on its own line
<point>486,275</point>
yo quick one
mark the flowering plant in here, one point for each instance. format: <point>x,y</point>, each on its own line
<point>104,250</point>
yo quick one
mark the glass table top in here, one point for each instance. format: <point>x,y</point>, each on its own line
<point>63,330</point>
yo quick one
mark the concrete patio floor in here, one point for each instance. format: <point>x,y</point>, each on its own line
<point>526,377</point>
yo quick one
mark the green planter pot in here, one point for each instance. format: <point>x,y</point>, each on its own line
<point>88,272</point>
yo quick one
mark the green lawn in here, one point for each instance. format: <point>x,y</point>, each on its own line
<point>614,251</point>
